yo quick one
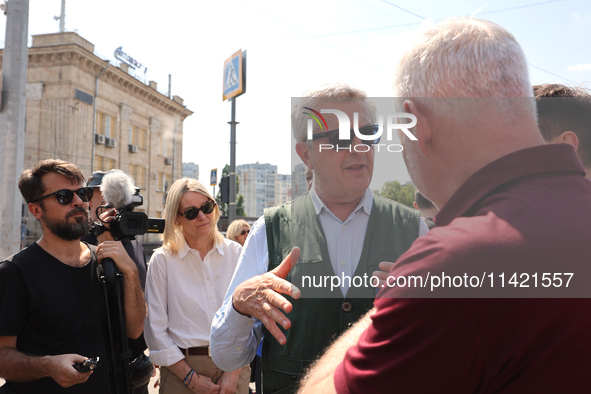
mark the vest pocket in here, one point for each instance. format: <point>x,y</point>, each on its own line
<point>277,382</point>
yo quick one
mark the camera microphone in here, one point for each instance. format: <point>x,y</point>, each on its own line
<point>117,188</point>
<point>119,192</point>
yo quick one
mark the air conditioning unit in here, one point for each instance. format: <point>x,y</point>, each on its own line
<point>99,139</point>
<point>110,142</point>
<point>167,161</point>
<point>132,148</point>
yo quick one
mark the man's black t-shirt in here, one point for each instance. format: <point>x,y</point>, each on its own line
<point>54,309</point>
<point>135,250</point>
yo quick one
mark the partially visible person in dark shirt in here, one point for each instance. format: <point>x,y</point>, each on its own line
<point>564,117</point>
<point>140,366</point>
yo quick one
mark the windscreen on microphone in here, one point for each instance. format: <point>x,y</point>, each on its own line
<point>117,188</point>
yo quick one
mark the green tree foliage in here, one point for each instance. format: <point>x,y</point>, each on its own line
<point>240,205</point>
<point>395,191</point>
<point>239,197</point>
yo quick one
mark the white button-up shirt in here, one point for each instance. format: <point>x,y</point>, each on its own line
<point>183,293</point>
<point>344,240</point>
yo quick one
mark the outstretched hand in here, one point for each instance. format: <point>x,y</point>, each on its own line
<point>260,296</point>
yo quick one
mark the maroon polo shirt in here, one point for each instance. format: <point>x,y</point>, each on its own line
<point>528,212</point>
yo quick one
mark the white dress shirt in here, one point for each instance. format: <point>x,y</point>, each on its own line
<point>183,293</point>
<point>234,337</point>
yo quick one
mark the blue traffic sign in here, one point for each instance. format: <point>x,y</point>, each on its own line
<point>214,177</point>
<point>234,75</point>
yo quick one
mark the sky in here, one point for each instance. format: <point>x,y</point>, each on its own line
<point>296,46</point>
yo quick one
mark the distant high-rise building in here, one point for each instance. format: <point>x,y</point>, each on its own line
<point>282,189</point>
<point>191,170</point>
<point>257,185</point>
<point>298,177</point>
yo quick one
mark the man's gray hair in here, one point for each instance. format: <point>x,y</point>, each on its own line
<point>326,95</point>
<point>464,57</point>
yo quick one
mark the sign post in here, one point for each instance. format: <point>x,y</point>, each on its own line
<point>234,86</point>
<point>213,179</point>
<point>12,125</point>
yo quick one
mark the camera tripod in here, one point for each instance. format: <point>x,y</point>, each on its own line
<point>119,353</point>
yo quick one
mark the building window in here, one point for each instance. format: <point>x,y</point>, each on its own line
<point>138,137</point>
<point>138,173</point>
<point>132,137</point>
<point>102,163</point>
<point>163,182</point>
<point>165,147</point>
<point>104,125</point>
<point>142,138</point>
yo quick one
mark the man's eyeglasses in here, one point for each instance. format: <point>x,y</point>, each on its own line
<point>65,196</point>
<point>333,137</point>
<point>192,212</point>
<point>244,232</point>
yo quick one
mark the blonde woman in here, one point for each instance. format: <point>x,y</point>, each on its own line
<point>238,231</point>
<point>187,280</point>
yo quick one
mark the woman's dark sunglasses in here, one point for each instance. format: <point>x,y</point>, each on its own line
<point>333,137</point>
<point>65,196</point>
<point>192,212</point>
<point>245,232</point>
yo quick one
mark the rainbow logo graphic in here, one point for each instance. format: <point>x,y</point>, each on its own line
<point>315,115</point>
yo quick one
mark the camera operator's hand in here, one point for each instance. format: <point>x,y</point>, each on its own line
<point>61,369</point>
<point>106,217</point>
<point>135,305</point>
<point>115,250</point>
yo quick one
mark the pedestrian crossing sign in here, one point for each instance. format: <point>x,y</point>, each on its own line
<point>235,75</point>
<point>214,177</point>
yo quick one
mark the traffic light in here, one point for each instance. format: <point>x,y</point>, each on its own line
<point>225,189</point>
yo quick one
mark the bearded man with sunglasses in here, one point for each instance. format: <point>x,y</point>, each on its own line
<point>52,308</point>
<point>342,229</point>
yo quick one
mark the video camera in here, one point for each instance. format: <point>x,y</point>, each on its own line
<point>119,192</point>
<point>128,224</point>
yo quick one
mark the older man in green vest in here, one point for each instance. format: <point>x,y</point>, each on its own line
<point>342,230</point>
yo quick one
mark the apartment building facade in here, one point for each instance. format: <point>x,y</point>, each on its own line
<point>85,110</point>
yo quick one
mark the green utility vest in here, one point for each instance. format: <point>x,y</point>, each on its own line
<point>322,314</point>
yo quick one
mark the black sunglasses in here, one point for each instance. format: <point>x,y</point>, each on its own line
<point>192,212</point>
<point>333,137</point>
<point>245,232</point>
<point>65,196</point>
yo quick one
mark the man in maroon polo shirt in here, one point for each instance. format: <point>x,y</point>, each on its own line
<point>513,213</point>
